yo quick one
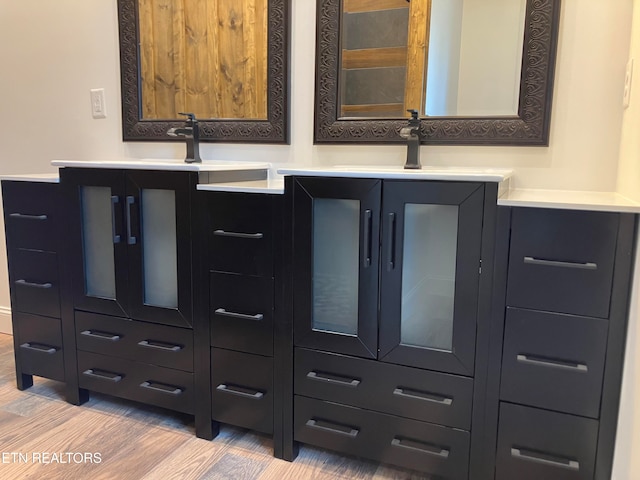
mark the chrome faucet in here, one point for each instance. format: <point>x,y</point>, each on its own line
<point>191,133</point>
<point>412,133</point>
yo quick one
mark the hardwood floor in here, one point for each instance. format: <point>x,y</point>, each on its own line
<point>43,437</point>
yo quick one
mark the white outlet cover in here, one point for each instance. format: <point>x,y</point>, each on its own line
<point>628,78</point>
<point>98,106</point>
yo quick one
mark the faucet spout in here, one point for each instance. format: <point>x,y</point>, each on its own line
<point>412,134</point>
<point>191,133</point>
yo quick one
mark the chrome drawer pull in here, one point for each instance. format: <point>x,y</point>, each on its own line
<point>557,263</point>
<point>391,237</point>
<point>25,216</point>
<point>101,335</point>
<point>222,233</point>
<point>418,395</point>
<point>165,347</point>
<point>335,379</point>
<point>552,362</point>
<point>243,316</point>
<point>333,427</point>
<point>539,457</point>
<point>114,200</point>
<point>131,239</point>
<point>161,387</point>
<point>39,347</point>
<point>103,375</point>
<point>366,260</point>
<point>240,391</point>
<point>24,283</point>
<point>420,446</point>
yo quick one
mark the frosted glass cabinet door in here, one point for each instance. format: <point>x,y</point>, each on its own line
<point>429,274</point>
<point>336,231</point>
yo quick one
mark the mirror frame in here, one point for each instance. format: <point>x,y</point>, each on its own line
<point>529,127</point>
<point>274,129</point>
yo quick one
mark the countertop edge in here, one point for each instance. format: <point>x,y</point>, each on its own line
<point>569,200</point>
<point>33,177</point>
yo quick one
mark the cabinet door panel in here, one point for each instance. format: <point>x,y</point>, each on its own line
<point>431,243</point>
<point>336,230</point>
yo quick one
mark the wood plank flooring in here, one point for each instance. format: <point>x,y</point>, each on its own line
<point>129,441</point>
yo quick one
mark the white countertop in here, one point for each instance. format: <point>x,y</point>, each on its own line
<point>462,174</point>
<point>159,164</point>
<point>570,200</point>
<point>33,177</point>
<point>271,185</point>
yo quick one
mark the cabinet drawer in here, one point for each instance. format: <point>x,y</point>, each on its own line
<point>150,384</point>
<point>241,313</point>
<point>562,261</point>
<point>30,215</point>
<point>34,282</point>
<point>408,392</point>
<point>144,342</point>
<point>440,451</point>
<point>242,389</point>
<point>241,240</point>
<point>554,361</point>
<point>39,345</point>
<point>536,444</point>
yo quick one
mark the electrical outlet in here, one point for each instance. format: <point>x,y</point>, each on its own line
<point>628,77</point>
<point>98,106</point>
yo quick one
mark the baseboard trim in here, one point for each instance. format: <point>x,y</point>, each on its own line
<point>5,320</point>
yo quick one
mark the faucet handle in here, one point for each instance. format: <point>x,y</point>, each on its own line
<point>191,117</point>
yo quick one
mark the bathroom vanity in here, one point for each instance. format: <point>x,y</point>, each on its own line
<point>427,319</point>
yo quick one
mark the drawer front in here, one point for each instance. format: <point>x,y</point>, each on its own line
<point>150,384</point>
<point>562,261</point>
<point>30,215</point>
<point>439,451</point>
<point>408,392</point>
<point>39,345</point>
<point>34,282</point>
<point>160,345</point>
<point>241,239</point>
<point>536,444</point>
<point>242,389</point>
<point>241,313</point>
<point>554,361</point>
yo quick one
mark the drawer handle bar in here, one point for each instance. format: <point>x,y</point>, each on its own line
<point>161,387</point>
<point>429,397</point>
<point>391,237</point>
<point>25,216</point>
<point>557,263</point>
<point>101,335</point>
<point>103,375</point>
<point>223,233</point>
<point>333,427</point>
<point>420,446</point>
<point>243,316</point>
<point>239,391</point>
<point>24,283</point>
<point>39,347</point>
<point>367,238</point>
<point>539,457</point>
<point>335,379</point>
<point>165,347</point>
<point>131,240</point>
<point>551,362</point>
<point>114,200</point>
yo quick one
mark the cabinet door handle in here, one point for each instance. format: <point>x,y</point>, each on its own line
<point>544,458</point>
<point>552,362</point>
<point>426,396</point>
<point>161,387</point>
<point>421,447</point>
<point>333,427</point>
<point>391,238</point>
<point>101,335</point>
<point>39,347</point>
<point>114,201</point>
<point>103,375</point>
<point>557,263</point>
<point>367,238</point>
<point>240,391</point>
<point>25,216</point>
<point>24,283</point>
<point>131,240</point>
<point>335,379</point>
<point>165,347</point>
<point>222,233</point>
<point>242,316</point>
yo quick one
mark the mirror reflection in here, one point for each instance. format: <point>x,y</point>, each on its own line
<point>205,57</point>
<point>441,57</point>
